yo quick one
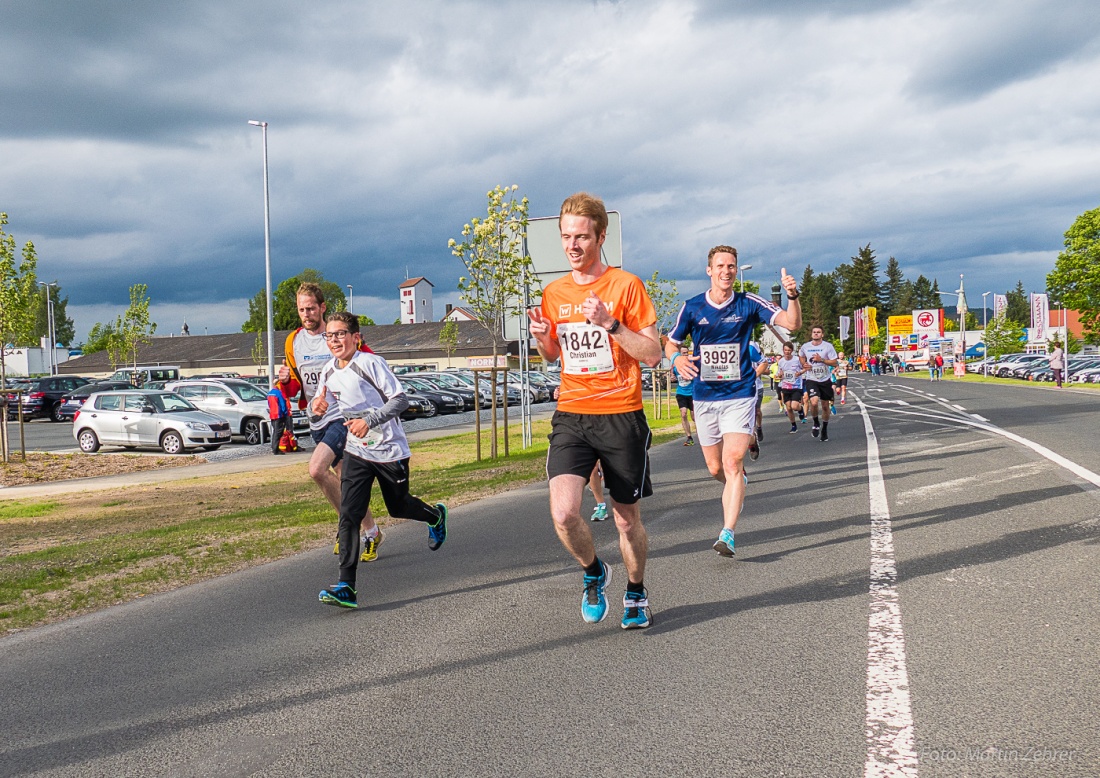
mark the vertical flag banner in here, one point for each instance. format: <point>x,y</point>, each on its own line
<point>845,325</point>
<point>872,321</point>
<point>1000,303</point>
<point>1040,315</point>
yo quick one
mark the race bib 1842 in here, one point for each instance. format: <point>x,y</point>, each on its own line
<point>585,349</point>
<point>720,362</point>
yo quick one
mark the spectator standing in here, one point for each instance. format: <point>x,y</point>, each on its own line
<point>1057,359</point>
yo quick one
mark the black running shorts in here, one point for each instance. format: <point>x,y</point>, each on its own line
<point>685,401</point>
<point>618,441</point>
<point>790,395</point>
<point>822,389</point>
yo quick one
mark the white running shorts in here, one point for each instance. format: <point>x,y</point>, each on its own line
<point>720,417</point>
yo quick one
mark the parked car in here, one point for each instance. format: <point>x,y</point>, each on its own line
<point>146,418</point>
<point>452,383</point>
<point>72,402</point>
<point>419,408</point>
<point>242,404</point>
<point>42,397</point>
<point>445,401</point>
<point>137,376</point>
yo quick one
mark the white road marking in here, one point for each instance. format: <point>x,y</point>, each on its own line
<point>958,407</point>
<point>1000,476</point>
<point>979,418</point>
<point>889,722</point>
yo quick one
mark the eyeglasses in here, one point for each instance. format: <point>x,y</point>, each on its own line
<point>338,335</point>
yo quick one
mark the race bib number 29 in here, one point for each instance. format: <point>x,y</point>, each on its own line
<point>720,362</point>
<point>585,349</point>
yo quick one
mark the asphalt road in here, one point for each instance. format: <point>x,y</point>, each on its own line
<point>933,613</point>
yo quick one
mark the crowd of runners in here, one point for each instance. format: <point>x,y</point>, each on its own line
<point>600,323</point>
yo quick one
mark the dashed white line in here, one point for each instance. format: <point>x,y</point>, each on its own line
<point>889,721</point>
<point>958,407</point>
<point>979,418</point>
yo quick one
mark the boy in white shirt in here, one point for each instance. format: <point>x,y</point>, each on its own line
<point>370,399</point>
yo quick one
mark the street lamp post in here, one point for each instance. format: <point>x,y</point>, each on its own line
<point>741,269</point>
<point>985,335</point>
<point>351,299</point>
<point>50,326</point>
<point>267,263</point>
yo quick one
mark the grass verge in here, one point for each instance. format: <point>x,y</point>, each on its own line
<point>72,554</point>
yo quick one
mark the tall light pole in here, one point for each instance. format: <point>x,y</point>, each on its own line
<point>985,333</point>
<point>267,263</point>
<point>741,269</point>
<point>351,299</point>
<point>50,325</point>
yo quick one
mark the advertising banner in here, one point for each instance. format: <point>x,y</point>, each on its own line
<point>872,321</point>
<point>1000,303</point>
<point>1040,315</point>
<point>899,325</point>
<point>928,321</point>
<point>845,326</point>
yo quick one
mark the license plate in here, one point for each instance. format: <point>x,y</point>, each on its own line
<point>221,435</point>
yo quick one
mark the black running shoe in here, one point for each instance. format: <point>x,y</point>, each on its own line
<point>760,434</point>
<point>824,436</point>
<point>815,431</point>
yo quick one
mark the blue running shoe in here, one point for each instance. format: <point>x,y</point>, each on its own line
<point>724,544</point>
<point>594,601</point>
<point>340,595</point>
<point>600,514</point>
<point>437,533</point>
<point>636,610</point>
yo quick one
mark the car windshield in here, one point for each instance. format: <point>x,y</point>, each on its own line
<point>450,381</point>
<point>248,392</point>
<point>416,384</point>
<point>170,403</point>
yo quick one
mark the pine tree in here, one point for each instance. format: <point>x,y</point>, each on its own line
<point>859,282</point>
<point>1018,308</point>
<point>892,289</point>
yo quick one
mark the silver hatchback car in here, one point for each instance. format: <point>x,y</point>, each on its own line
<point>150,418</point>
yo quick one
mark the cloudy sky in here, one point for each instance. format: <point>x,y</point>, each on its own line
<point>958,136</point>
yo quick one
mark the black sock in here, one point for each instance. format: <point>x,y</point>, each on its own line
<point>636,588</point>
<point>815,421</point>
<point>596,568</point>
<point>825,427</point>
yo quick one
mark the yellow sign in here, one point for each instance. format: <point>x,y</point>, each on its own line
<point>872,322</point>
<point>899,325</point>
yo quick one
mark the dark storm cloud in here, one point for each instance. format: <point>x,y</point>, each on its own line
<point>1004,43</point>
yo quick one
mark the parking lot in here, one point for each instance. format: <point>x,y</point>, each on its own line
<point>57,437</point>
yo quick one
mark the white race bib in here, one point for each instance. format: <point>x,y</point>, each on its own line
<point>819,371</point>
<point>720,362</point>
<point>585,349</point>
<point>373,438</point>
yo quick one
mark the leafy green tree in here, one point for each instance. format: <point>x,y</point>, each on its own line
<point>1075,279</point>
<point>18,288</point>
<point>1018,307</point>
<point>496,264</point>
<point>448,337</point>
<point>100,338</point>
<point>284,305</point>
<point>18,293</point>
<point>63,328</point>
<point>1002,336</point>
<point>259,351</point>
<point>133,328</point>
<point>666,301</point>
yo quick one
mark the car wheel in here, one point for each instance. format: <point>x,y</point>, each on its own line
<point>88,441</point>
<point>171,442</point>
<point>251,431</point>
<point>432,409</point>
<point>55,413</point>
<point>212,448</point>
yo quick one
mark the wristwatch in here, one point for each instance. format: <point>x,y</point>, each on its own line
<point>614,327</point>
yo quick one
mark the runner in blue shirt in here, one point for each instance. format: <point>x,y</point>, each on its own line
<point>720,323</point>
<point>684,399</point>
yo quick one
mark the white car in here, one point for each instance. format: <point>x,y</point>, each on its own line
<point>243,404</point>
<point>144,417</point>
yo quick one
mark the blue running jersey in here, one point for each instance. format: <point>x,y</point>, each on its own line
<point>720,336</point>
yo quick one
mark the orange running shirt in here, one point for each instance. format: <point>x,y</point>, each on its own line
<point>592,380</point>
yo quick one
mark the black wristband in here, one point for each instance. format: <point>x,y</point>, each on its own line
<point>794,296</point>
<point>614,327</point>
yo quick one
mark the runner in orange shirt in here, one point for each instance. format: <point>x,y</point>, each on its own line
<point>600,322</point>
